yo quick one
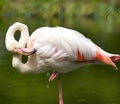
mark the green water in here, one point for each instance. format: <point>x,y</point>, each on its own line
<point>95,84</point>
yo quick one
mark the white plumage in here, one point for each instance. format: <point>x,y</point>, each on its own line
<point>67,41</point>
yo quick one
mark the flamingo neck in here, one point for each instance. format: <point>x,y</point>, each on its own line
<point>12,44</point>
<point>10,41</point>
<point>17,63</point>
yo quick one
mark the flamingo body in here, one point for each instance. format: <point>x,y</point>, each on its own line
<point>65,41</point>
<point>72,45</point>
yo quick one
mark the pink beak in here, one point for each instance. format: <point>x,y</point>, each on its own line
<point>25,51</point>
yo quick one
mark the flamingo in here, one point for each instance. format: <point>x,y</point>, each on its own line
<point>54,48</point>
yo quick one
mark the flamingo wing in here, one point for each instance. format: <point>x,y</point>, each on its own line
<point>71,42</point>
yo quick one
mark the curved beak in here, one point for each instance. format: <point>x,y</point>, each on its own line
<point>25,51</point>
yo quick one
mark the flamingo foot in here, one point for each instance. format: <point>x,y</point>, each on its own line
<point>25,51</point>
<point>53,76</point>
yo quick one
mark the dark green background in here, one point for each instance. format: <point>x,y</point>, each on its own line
<point>95,84</point>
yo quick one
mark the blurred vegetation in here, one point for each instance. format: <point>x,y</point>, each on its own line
<point>63,12</point>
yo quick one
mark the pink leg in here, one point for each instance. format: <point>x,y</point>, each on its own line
<point>53,76</point>
<point>60,90</point>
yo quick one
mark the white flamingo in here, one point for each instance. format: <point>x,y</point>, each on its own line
<point>54,48</point>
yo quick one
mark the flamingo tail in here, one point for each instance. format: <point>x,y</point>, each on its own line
<point>101,56</point>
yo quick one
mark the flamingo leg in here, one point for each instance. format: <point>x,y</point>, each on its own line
<point>60,90</point>
<point>53,76</point>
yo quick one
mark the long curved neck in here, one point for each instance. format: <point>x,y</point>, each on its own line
<point>11,43</point>
<point>17,63</point>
